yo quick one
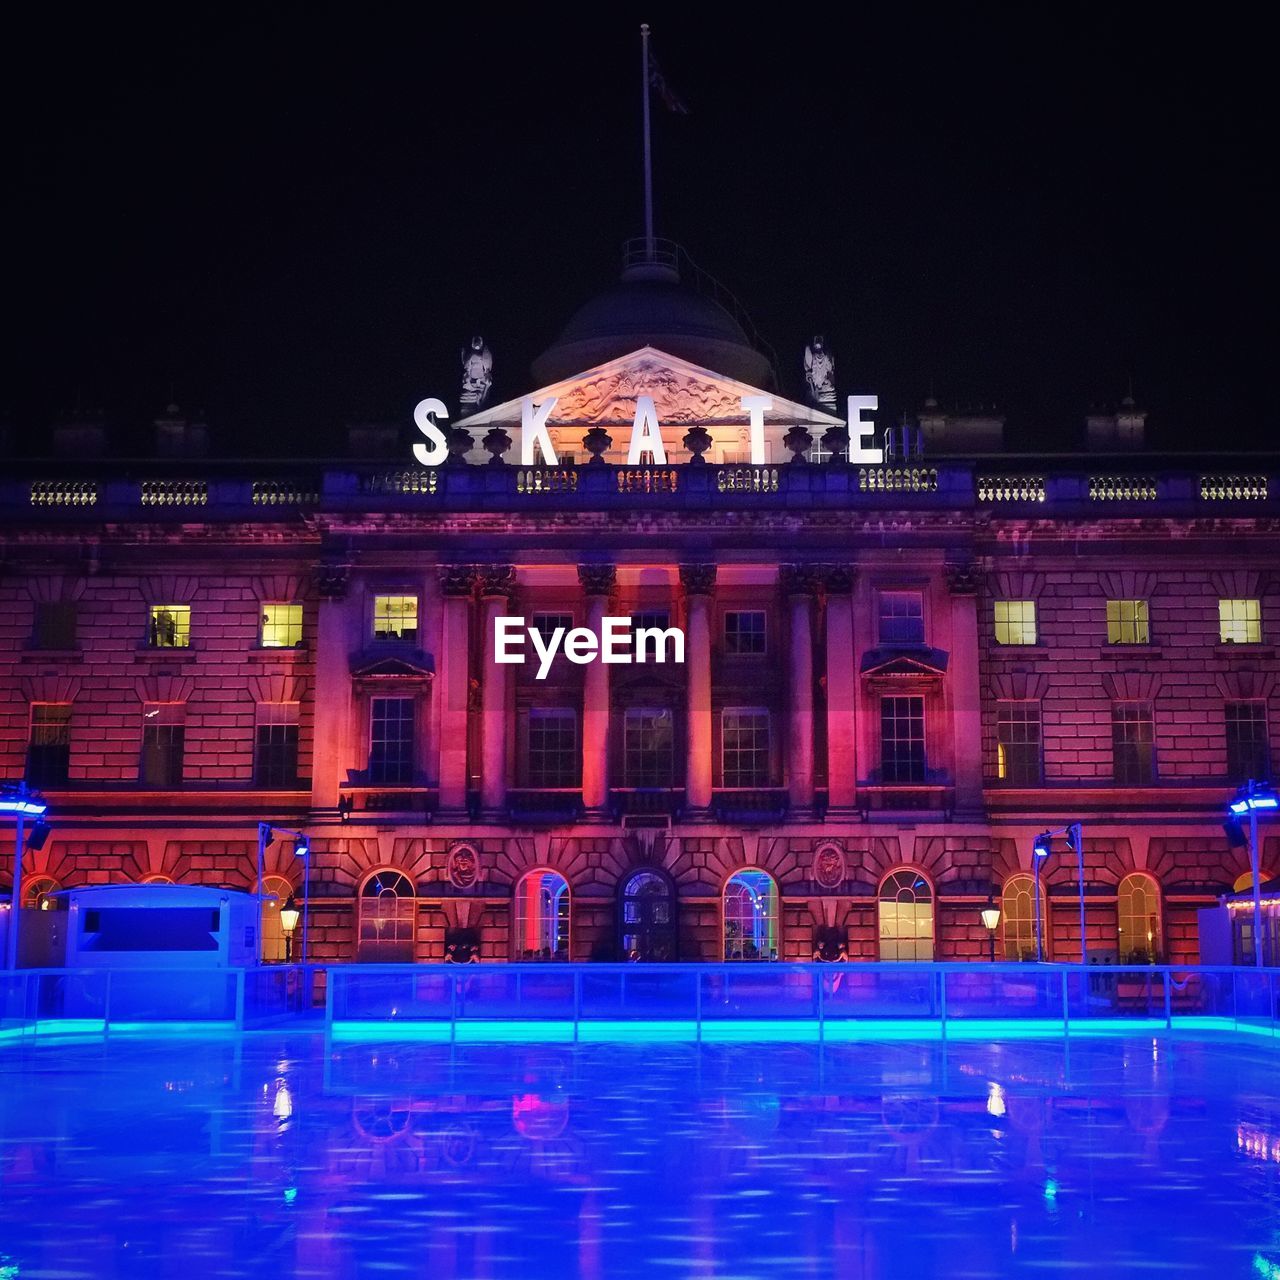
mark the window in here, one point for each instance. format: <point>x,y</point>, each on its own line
<point>554,759</point>
<point>169,626</point>
<point>1240,621</point>
<point>55,625</point>
<point>1248,744</point>
<point>49,744</point>
<point>647,747</point>
<point>163,734</point>
<point>275,753</point>
<point>38,893</point>
<point>744,747</point>
<point>281,626</point>
<point>1018,918</point>
<point>744,632</point>
<point>1138,919</point>
<point>901,617</point>
<point>906,917</point>
<point>1133,743</point>
<point>388,915</point>
<point>547,624</point>
<point>395,618</point>
<point>902,756</point>
<point>751,916</point>
<point>275,893</point>
<point>1018,743</point>
<point>391,741</point>
<point>650,619</point>
<point>648,918</point>
<point>1015,621</point>
<point>1127,622</point>
<point>542,917</point>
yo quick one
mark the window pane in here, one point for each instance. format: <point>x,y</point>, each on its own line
<point>744,631</point>
<point>1240,621</point>
<point>395,618</point>
<point>169,626</point>
<point>750,916</point>
<point>1015,621</point>
<point>1138,919</point>
<point>542,917</point>
<point>901,617</point>
<point>906,917</point>
<point>1248,742</point>
<point>1018,918</point>
<point>276,745</point>
<point>1018,743</point>
<point>1133,743</point>
<point>391,731</point>
<point>49,744</point>
<point>55,626</point>
<point>648,757</point>
<point>281,626</point>
<point>1127,622</point>
<point>547,624</point>
<point>162,748</point>
<point>902,754</point>
<point>744,747</point>
<point>554,758</point>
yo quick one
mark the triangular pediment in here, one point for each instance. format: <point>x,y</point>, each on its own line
<point>904,662</point>
<point>684,394</point>
<point>398,666</point>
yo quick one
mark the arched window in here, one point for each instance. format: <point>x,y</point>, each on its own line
<point>1138,919</point>
<point>157,877</point>
<point>37,890</point>
<point>275,893</point>
<point>906,917</point>
<point>648,917</point>
<point>388,914</point>
<point>1018,919</point>
<point>542,917</point>
<point>750,916</point>
<point>1246,881</point>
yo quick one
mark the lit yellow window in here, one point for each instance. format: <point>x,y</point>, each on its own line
<point>169,626</point>
<point>1240,621</point>
<point>1015,622</point>
<point>1127,622</point>
<point>281,626</point>
<point>395,617</point>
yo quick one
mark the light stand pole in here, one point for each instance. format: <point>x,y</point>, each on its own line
<point>1249,799</point>
<point>302,849</point>
<point>1040,850</point>
<point>21,804</point>
<point>991,922</point>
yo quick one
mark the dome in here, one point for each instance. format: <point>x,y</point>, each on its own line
<point>650,307</point>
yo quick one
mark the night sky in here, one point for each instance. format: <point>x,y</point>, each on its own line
<point>291,217</point>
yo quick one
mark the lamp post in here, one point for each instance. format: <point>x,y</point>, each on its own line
<point>288,922</point>
<point>20,804</point>
<point>1249,799</point>
<point>267,833</point>
<point>1041,849</point>
<point>991,922</point>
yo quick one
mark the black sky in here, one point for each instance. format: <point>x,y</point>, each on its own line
<point>293,216</point>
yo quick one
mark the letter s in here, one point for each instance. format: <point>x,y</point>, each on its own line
<point>424,415</point>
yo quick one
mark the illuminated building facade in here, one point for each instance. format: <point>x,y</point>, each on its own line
<point>895,675</point>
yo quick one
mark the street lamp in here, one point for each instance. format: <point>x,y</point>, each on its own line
<point>991,922</point>
<point>1041,848</point>
<point>288,922</point>
<point>1249,799</point>
<point>21,804</point>
<point>302,849</point>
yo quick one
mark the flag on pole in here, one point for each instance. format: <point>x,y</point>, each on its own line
<point>658,83</point>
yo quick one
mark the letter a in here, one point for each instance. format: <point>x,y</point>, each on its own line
<point>646,435</point>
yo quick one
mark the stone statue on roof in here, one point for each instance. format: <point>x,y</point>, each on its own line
<point>820,374</point>
<point>477,377</point>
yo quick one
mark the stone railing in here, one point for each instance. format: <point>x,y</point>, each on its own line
<point>175,493</point>
<point>898,479</point>
<point>746,479</point>
<point>547,480</point>
<point>647,479</point>
<point>63,493</point>
<point>1011,488</point>
<point>1231,488</point>
<point>1122,488</point>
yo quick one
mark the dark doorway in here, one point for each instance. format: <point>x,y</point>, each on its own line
<point>647,908</point>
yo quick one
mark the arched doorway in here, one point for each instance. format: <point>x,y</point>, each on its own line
<point>1139,938</point>
<point>750,916</point>
<point>1018,919</point>
<point>38,891</point>
<point>906,917</point>
<point>542,917</point>
<point>647,924</point>
<point>388,915</point>
<point>275,893</point>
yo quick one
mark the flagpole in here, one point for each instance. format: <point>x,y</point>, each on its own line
<point>648,154</point>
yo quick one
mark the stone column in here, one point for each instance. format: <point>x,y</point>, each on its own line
<point>332,750</point>
<point>456,585</point>
<point>597,582</point>
<point>497,581</point>
<point>964,686</point>
<point>699,582</point>
<point>797,586</point>
<point>842,691</point>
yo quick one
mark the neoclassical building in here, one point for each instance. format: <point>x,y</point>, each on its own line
<point>895,675</point>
